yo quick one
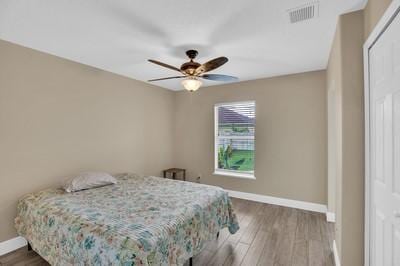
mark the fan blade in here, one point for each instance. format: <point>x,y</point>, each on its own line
<point>164,65</point>
<point>218,77</point>
<point>177,77</point>
<point>211,65</point>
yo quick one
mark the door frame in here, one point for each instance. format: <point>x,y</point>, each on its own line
<point>390,14</point>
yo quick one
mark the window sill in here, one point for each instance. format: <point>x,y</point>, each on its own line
<point>234,174</point>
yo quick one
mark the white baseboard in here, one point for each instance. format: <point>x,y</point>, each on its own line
<point>309,206</point>
<point>336,254</point>
<point>12,244</point>
<point>330,217</point>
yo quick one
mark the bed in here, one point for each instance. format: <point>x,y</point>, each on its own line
<point>138,221</point>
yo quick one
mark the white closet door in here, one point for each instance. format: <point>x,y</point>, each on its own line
<point>385,147</point>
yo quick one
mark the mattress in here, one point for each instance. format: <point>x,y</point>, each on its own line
<point>138,221</point>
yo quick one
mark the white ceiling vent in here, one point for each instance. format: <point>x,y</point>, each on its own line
<point>304,12</point>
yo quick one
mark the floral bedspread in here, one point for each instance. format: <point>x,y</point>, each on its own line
<point>138,221</point>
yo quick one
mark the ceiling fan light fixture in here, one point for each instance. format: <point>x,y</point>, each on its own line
<point>193,72</point>
<point>191,84</point>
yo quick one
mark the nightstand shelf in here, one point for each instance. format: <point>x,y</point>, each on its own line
<point>174,173</point>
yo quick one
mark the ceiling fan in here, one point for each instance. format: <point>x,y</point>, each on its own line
<point>193,71</point>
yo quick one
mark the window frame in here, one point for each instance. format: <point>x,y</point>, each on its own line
<point>226,172</point>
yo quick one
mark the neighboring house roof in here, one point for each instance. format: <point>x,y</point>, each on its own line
<point>228,116</point>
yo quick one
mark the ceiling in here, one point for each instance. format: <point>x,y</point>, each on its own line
<point>119,36</point>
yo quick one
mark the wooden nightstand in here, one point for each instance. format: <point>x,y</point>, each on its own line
<point>174,172</point>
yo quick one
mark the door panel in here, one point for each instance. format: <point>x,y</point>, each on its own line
<point>378,69</point>
<point>396,143</point>
<point>396,57</point>
<point>396,246</point>
<point>385,147</point>
<point>379,246</point>
<point>379,143</point>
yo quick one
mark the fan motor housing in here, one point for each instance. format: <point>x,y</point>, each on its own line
<point>190,67</point>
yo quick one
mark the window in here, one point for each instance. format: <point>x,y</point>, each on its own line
<point>234,139</point>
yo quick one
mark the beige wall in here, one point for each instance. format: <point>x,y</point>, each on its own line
<point>58,117</point>
<point>290,135</point>
<point>373,13</point>
<point>353,140</point>
<point>345,70</point>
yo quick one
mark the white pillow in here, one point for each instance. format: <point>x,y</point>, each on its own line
<point>89,180</point>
